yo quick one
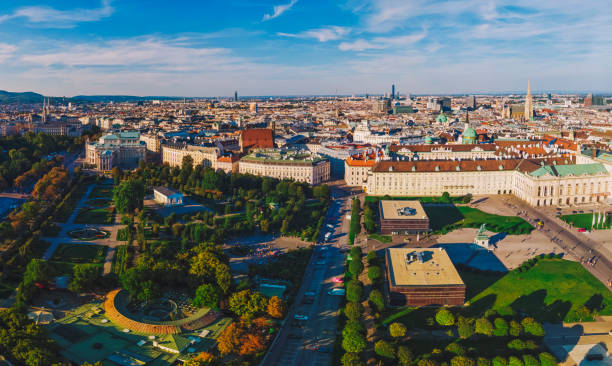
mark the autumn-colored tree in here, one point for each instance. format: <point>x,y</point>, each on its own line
<point>261,322</point>
<point>276,307</point>
<point>203,359</point>
<point>230,339</point>
<point>252,344</point>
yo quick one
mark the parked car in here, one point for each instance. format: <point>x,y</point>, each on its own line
<point>337,291</point>
<point>300,317</point>
<point>338,280</point>
<point>581,230</point>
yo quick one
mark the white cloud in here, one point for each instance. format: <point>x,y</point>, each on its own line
<point>45,16</point>
<point>278,10</point>
<point>6,51</point>
<point>379,43</point>
<point>325,34</point>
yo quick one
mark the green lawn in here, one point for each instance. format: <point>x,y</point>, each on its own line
<point>94,216</point>
<point>447,218</point>
<point>80,253</point>
<point>381,238</point>
<point>549,291</point>
<point>585,221</point>
<point>428,199</point>
<point>102,191</point>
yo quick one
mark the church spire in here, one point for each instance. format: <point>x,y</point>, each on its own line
<point>528,103</point>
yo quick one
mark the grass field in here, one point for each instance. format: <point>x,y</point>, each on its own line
<point>80,253</point>
<point>549,291</point>
<point>429,199</point>
<point>585,221</point>
<point>381,238</point>
<point>446,218</point>
<point>102,191</point>
<point>99,216</point>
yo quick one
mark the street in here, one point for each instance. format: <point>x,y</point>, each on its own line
<point>310,342</point>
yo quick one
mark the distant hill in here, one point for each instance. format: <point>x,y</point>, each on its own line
<point>117,98</point>
<point>23,98</point>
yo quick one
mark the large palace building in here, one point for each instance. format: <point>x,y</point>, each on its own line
<point>281,164</point>
<point>539,182</point>
<point>123,149</point>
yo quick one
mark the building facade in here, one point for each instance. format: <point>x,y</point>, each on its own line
<point>286,164</point>
<point>123,149</point>
<point>202,155</point>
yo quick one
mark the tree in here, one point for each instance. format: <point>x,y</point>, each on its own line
<point>202,359</point>
<point>444,317</point>
<point>353,310</point>
<point>427,362</point>
<point>38,270</point>
<point>230,339</point>
<point>531,326</point>
<point>546,359</point>
<point>252,344</point>
<point>85,276</point>
<point>514,361</point>
<point>116,174</point>
<point>129,195</point>
<point>515,328</point>
<point>484,326</point>
<point>355,267</point>
<point>445,197</point>
<point>384,349</point>
<point>465,327</point>
<point>500,361</point>
<point>397,330</point>
<point>376,297</point>
<point>374,273</point>
<point>351,359</point>
<point>516,344</point>
<point>529,360</point>
<point>353,326</point>
<point>207,295</point>
<point>481,361</point>
<point>257,304</point>
<point>455,348</point>
<point>462,361</point>
<point>223,276</point>
<point>354,291</point>
<point>404,356</point>
<point>355,343</point>
<point>501,327</point>
<point>276,307</point>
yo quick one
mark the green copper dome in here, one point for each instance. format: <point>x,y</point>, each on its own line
<point>441,118</point>
<point>428,140</point>
<point>470,133</point>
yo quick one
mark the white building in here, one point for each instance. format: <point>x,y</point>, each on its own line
<point>167,196</point>
<point>201,155</point>
<point>122,149</point>
<point>286,164</point>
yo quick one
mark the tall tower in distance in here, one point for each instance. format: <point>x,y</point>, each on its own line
<point>528,103</point>
<point>392,91</point>
<point>236,96</point>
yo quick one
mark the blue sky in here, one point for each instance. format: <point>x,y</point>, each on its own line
<point>296,47</point>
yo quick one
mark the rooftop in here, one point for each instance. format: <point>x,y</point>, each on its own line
<point>402,210</point>
<point>282,156</point>
<point>421,267</point>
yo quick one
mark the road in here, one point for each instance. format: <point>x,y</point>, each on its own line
<point>572,242</point>
<point>312,343</point>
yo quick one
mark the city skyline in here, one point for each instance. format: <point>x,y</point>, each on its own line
<point>295,47</point>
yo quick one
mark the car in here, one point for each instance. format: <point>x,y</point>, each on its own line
<point>310,293</point>
<point>581,230</point>
<point>337,280</point>
<point>320,263</point>
<point>300,317</point>
<point>337,291</point>
<point>324,349</point>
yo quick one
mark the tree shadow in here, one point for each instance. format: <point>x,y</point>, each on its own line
<point>527,304</point>
<point>595,303</point>
<point>533,305</point>
<point>479,306</point>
